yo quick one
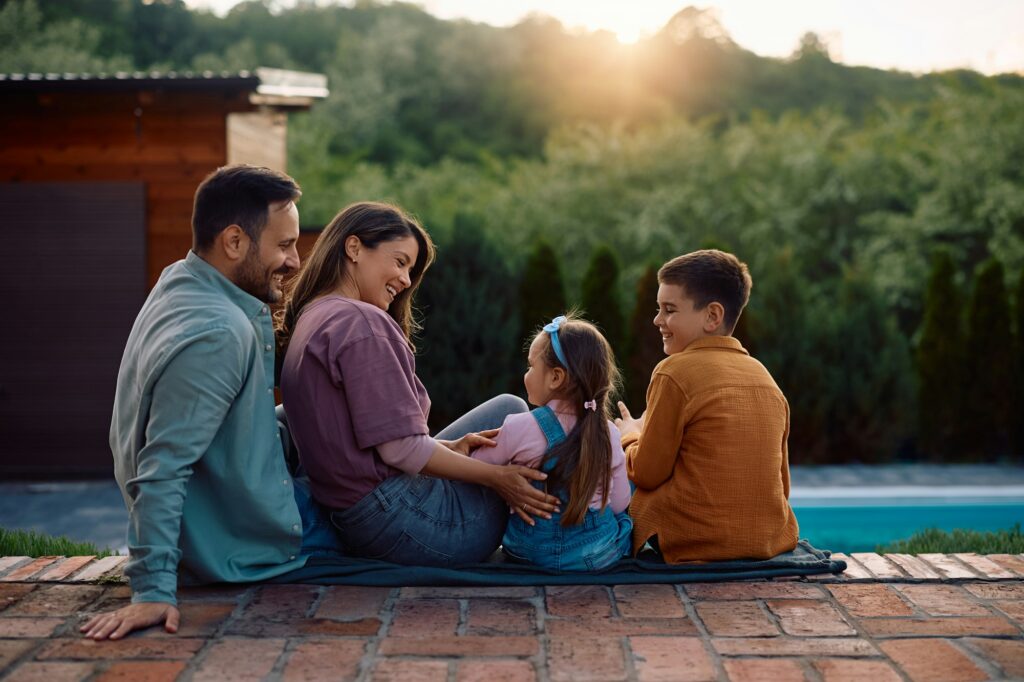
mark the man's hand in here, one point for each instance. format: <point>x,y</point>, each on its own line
<point>471,441</point>
<point>117,624</point>
<point>626,423</point>
<point>511,482</point>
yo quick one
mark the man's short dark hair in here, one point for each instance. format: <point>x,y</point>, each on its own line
<point>237,195</point>
<point>711,275</point>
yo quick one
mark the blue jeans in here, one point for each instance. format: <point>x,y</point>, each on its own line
<point>319,538</point>
<point>426,521</point>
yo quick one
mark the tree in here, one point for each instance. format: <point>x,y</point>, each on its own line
<point>645,347</point>
<point>940,363</point>
<point>1018,415</point>
<point>990,365</point>
<point>600,299</point>
<point>541,291</point>
<point>468,349</point>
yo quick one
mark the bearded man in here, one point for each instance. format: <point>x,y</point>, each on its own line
<point>197,451</point>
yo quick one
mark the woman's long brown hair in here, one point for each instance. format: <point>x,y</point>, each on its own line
<point>324,268</point>
<point>583,461</point>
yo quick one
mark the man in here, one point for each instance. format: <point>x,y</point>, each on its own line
<point>196,446</point>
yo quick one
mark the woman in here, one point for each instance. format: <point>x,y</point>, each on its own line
<point>358,413</point>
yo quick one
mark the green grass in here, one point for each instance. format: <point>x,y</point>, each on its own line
<point>31,543</point>
<point>939,541</point>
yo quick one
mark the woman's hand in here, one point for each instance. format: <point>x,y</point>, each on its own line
<point>512,482</point>
<point>471,441</point>
<point>626,423</point>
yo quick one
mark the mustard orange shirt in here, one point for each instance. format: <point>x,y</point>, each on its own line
<point>712,463</point>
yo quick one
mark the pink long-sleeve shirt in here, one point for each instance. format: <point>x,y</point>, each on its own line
<point>522,442</point>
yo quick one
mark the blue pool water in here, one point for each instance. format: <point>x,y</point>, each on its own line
<point>850,523</point>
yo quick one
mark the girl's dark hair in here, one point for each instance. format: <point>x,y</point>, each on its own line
<point>583,461</point>
<point>373,223</point>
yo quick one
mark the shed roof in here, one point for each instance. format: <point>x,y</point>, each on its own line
<point>268,86</point>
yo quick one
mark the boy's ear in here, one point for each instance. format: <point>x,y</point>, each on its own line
<point>714,318</point>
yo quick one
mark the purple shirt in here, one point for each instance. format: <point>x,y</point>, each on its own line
<point>349,384</point>
<point>522,442</point>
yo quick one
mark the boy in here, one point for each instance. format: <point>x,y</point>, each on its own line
<point>709,456</point>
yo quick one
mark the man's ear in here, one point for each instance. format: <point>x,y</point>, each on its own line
<point>233,242</point>
<point>714,318</point>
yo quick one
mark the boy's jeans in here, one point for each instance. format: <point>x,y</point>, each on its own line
<point>428,521</point>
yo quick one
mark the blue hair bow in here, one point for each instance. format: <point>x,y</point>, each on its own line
<point>552,329</point>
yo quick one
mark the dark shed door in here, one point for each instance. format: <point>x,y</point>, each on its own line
<point>72,280</point>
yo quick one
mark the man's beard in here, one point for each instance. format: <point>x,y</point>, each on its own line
<point>255,279</point>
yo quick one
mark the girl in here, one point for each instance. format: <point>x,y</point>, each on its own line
<point>570,377</point>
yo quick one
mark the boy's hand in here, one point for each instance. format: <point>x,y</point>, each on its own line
<point>626,423</point>
<point>471,441</point>
<point>117,624</point>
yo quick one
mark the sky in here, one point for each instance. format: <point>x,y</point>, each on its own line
<point>911,35</point>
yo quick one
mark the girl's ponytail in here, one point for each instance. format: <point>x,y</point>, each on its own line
<point>583,461</point>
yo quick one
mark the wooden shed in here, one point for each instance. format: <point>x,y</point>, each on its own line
<point>97,177</point>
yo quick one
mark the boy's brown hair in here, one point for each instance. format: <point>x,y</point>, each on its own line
<point>711,275</point>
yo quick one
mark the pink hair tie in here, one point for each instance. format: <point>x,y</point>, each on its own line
<point>590,405</point>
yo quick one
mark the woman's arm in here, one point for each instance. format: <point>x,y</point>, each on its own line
<point>424,455</point>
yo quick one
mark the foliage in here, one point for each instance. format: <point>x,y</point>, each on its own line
<point>937,541</point>
<point>940,358</point>
<point>28,44</point>
<point>599,298</point>
<point>1018,414</point>
<point>645,349</point>
<point>467,355</point>
<point>989,364</point>
<point>541,291</point>
<point>33,544</point>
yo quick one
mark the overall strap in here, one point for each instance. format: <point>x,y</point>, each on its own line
<point>550,426</point>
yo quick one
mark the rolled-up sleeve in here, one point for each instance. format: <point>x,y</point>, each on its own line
<point>409,454</point>
<point>191,397</point>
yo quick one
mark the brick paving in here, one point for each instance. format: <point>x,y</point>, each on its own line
<point>894,617</point>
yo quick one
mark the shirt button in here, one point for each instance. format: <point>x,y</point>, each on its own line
<point>263,310</point>
<point>270,390</point>
<point>269,347</point>
<point>295,527</point>
<point>291,558</point>
<point>284,482</point>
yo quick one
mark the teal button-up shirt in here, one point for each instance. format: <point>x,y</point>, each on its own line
<point>197,452</point>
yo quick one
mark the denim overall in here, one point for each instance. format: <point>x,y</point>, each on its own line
<point>600,540</point>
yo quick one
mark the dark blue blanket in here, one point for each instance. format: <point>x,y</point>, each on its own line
<point>804,560</point>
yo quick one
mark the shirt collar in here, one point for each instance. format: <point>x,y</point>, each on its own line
<point>205,272</point>
<point>718,343</point>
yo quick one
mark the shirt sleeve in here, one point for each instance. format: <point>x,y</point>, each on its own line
<point>514,443</point>
<point>651,459</point>
<point>620,493</point>
<point>409,454</point>
<point>190,400</point>
<point>785,455</point>
<point>379,375</point>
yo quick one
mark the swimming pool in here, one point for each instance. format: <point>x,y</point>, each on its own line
<point>860,519</point>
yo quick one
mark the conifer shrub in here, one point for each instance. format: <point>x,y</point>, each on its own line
<point>939,359</point>
<point>990,365</point>
<point>645,347</point>
<point>541,291</point>
<point>468,353</point>
<point>599,298</point>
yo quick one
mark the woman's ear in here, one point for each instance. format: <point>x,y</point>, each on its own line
<point>353,247</point>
